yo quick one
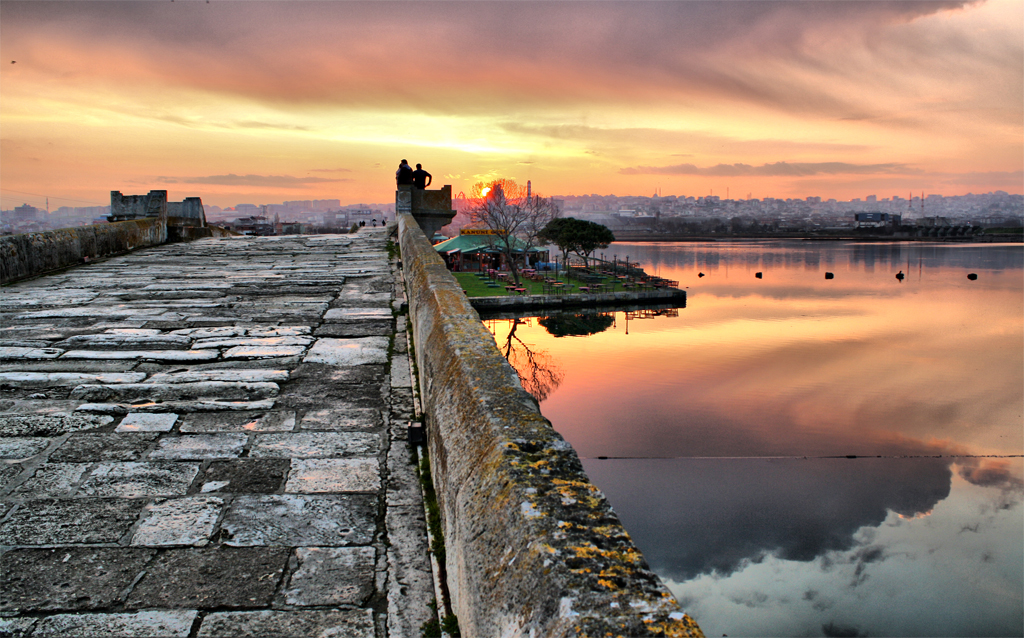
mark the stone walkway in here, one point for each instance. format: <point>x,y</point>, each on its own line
<point>208,439</point>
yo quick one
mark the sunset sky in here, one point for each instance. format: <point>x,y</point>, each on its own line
<point>263,102</point>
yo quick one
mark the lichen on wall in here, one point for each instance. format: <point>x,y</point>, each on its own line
<point>533,547</point>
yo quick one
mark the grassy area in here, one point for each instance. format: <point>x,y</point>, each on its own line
<point>475,287</point>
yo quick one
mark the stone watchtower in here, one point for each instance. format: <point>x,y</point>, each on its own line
<point>431,209</point>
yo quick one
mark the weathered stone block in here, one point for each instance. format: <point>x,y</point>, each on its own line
<point>349,352</point>
<point>309,476</point>
<point>352,623</point>
<point>134,480</point>
<point>179,521</point>
<point>22,447</point>
<point>315,445</point>
<point>52,480</point>
<point>295,520</point>
<point>341,418</point>
<point>68,578</point>
<point>200,446</point>
<point>211,577</point>
<point>147,422</point>
<point>332,576</point>
<point>111,446</point>
<point>176,623</point>
<point>278,421</point>
<point>256,476</point>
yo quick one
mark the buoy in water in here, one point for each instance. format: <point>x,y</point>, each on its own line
<point>829,275</point>
<point>758,275</point>
<point>700,274</point>
<point>972,276</point>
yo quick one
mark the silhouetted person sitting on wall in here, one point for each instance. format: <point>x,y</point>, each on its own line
<point>421,178</point>
<point>404,174</point>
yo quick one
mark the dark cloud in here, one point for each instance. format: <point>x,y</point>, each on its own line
<point>702,516</point>
<point>275,181</point>
<point>776,169</point>
<point>990,473</point>
<point>496,53</point>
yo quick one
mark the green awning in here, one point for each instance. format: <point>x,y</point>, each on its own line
<point>473,244</point>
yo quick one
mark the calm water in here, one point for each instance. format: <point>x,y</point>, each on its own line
<point>729,430</point>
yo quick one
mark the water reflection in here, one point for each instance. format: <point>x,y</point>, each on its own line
<point>927,373</point>
<point>784,547</point>
<point>577,324</point>
<point>538,372</point>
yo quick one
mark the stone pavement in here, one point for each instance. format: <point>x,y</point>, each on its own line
<point>208,439</point>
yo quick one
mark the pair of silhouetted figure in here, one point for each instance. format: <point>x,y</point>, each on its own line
<point>418,178</point>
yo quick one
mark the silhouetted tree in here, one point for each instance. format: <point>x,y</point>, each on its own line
<point>511,214</point>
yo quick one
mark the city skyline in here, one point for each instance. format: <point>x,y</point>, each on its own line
<point>274,101</point>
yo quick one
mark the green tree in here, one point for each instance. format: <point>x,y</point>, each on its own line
<point>577,236</point>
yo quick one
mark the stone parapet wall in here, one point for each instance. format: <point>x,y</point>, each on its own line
<point>32,254</point>
<point>533,548</point>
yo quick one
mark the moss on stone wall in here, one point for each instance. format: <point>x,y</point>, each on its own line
<point>532,547</point>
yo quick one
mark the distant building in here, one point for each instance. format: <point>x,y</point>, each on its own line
<point>876,220</point>
<point>155,204</point>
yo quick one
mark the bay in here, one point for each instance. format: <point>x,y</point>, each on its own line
<point>802,456</point>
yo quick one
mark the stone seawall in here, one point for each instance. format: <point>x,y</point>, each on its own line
<point>533,548</point>
<point>554,302</point>
<point>32,254</point>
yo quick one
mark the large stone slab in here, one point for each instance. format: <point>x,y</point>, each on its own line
<point>178,521</point>
<point>310,476</point>
<point>350,623</point>
<point>222,390</point>
<point>256,342</point>
<point>256,476</point>
<point>238,375</point>
<point>341,418</point>
<point>174,623</point>
<point>357,314</point>
<point>315,445</point>
<point>52,480</point>
<point>7,353</point>
<point>211,578</point>
<point>200,446</point>
<point>147,422</point>
<point>144,355</point>
<point>180,407</point>
<point>294,520</point>
<point>58,379</point>
<point>263,352</point>
<point>134,479</point>
<point>275,421</point>
<point>110,446</point>
<point>68,578</point>
<point>125,340</point>
<point>349,352</point>
<point>19,448</point>
<point>330,576</point>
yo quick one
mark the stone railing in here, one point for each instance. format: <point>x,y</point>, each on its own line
<point>32,254</point>
<point>533,548</point>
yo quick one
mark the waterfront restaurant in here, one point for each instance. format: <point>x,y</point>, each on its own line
<point>476,249</point>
